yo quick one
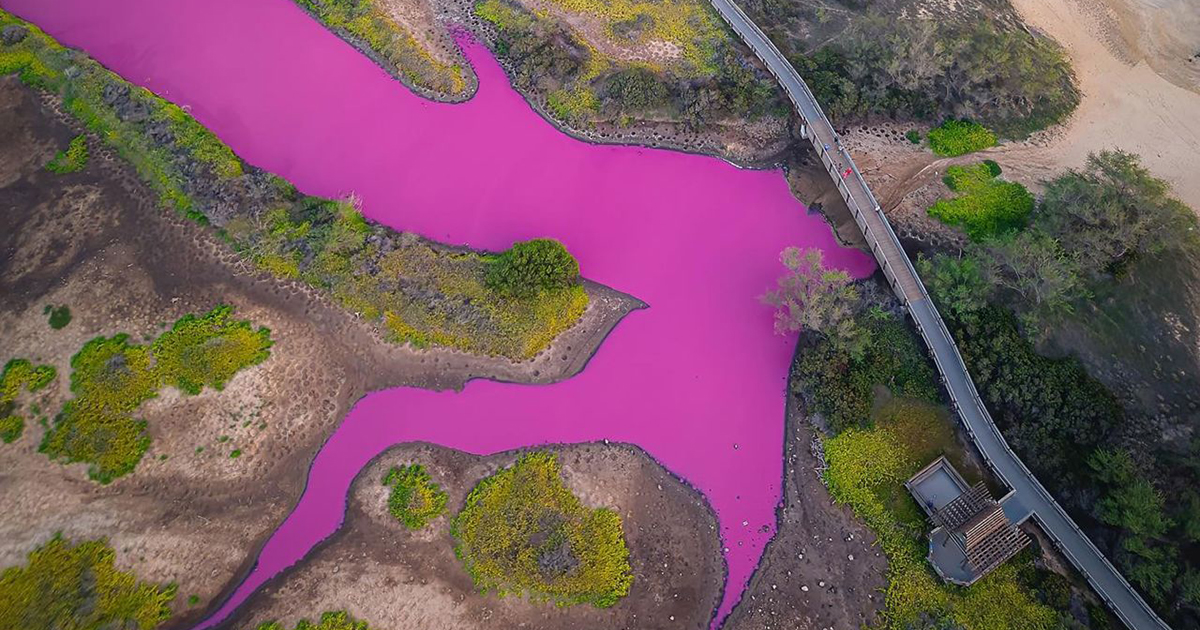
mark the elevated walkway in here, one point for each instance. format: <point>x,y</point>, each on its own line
<point>1027,493</point>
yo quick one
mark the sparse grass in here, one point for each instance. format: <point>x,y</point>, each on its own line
<point>867,470</point>
<point>522,532</point>
<point>74,158</point>
<point>414,498</point>
<point>60,316</point>
<point>691,26</point>
<point>330,620</point>
<point>986,207</point>
<point>111,378</point>
<point>959,137</point>
<point>77,587</point>
<point>363,22</point>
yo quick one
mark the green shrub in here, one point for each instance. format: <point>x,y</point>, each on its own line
<point>330,620</point>
<point>11,428</point>
<point>414,498</point>
<point>1050,410</point>
<point>993,167</point>
<point>523,532</point>
<point>71,160</point>
<point>78,587</point>
<point>986,207</point>
<point>531,267</point>
<point>913,136</point>
<point>111,378</point>
<point>19,374</point>
<point>841,387</point>
<point>60,316</point>
<point>959,137</point>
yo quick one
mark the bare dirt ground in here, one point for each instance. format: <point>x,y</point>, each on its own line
<point>823,570</point>
<point>1126,104</point>
<point>393,577</point>
<point>190,514</point>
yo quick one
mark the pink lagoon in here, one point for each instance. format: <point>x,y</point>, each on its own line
<point>697,379</point>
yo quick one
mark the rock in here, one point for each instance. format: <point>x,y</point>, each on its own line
<point>13,33</point>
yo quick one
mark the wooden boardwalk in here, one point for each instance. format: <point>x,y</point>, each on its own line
<point>1027,498</point>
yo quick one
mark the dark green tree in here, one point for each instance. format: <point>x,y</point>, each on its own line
<point>530,267</point>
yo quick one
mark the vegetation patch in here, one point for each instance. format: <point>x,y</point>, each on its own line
<point>986,207</point>
<point>930,68</point>
<point>74,158</point>
<point>330,620</point>
<point>367,25</point>
<point>19,375</point>
<point>960,137</point>
<point>414,498</point>
<point>416,291</point>
<point>112,377</point>
<point>708,81</point>
<point>523,532</point>
<point>60,316</point>
<point>78,587</point>
<point>867,470</point>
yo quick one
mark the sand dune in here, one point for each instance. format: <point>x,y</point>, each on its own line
<point>1126,103</point>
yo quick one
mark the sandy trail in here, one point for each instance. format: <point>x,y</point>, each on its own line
<point>1126,106</point>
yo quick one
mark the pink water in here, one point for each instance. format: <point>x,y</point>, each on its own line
<point>697,380</point>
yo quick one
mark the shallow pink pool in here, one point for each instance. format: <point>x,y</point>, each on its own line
<point>697,379</point>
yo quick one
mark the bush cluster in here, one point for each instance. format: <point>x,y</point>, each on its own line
<point>986,207</point>
<point>929,69</point>
<point>414,498</point>
<point>112,377</point>
<point>960,137</point>
<point>18,375</point>
<point>522,531</point>
<point>78,587</point>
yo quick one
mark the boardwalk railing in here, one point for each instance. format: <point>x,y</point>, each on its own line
<point>1104,578</point>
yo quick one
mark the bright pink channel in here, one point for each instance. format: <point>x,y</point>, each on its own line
<point>697,380</point>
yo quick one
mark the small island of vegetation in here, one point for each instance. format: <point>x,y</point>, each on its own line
<point>523,532</point>
<point>414,498</point>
